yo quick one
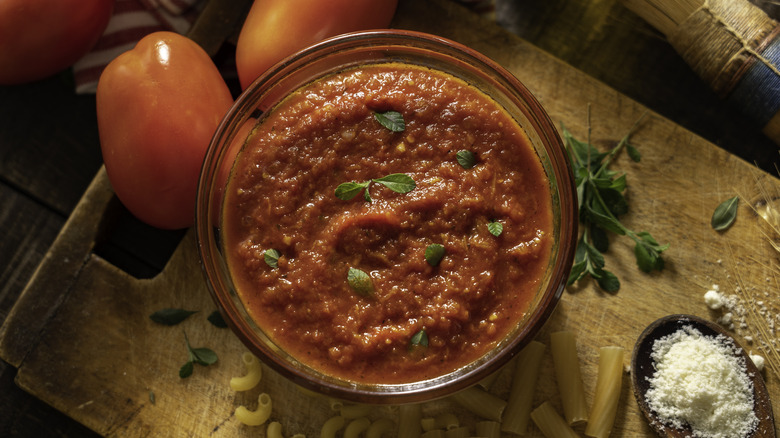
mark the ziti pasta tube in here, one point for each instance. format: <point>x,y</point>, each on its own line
<point>409,417</point>
<point>521,394</point>
<point>605,400</point>
<point>563,346</point>
<point>480,402</point>
<point>550,423</point>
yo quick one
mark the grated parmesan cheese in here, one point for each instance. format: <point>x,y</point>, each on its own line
<point>713,299</point>
<point>701,381</point>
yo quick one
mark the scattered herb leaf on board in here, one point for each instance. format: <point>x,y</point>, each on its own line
<point>725,214</point>
<point>601,203</point>
<point>216,319</point>
<point>392,120</point>
<point>434,253</point>
<point>360,282</point>
<point>171,316</point>
<point>200,356</point>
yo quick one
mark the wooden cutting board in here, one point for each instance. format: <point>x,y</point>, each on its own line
<point>83,342</point>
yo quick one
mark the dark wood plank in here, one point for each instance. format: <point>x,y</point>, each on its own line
<point>25,416</point>
<point>49,147</point>
<point>28,230</point>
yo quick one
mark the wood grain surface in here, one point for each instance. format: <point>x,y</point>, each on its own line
<point>90,351</point>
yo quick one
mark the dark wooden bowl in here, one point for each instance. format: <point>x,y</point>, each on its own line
<point>642,369</point>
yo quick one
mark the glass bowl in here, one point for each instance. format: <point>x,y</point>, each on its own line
<point>354,51</point>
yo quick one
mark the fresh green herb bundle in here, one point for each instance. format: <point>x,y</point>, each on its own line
<point>601,203</point>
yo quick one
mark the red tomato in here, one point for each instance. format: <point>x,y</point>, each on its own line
<point>38,38</point>
<point>158,106</point>
<point>275,29</point>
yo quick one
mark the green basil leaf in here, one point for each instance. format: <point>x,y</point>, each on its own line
<point>434,253</point>
<point>466,159</point>
<point>216,319</point>
<point>725,214</point>
<point>271,257</point>
<point>171,316</point>
<point>397,182</point>
<point>419,339</point>
<point>186,370</point>
<point>495,228</point>
<point>349,190</point>
<point>360,282</point>
<point>392,120</point>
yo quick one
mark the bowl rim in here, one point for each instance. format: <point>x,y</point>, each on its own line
<point>440,386</point>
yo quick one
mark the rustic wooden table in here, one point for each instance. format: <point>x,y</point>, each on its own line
<point>49,153</point>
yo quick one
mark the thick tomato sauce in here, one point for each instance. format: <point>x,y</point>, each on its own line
<point>281,196</point>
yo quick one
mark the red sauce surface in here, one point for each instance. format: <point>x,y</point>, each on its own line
<point>281,196</point>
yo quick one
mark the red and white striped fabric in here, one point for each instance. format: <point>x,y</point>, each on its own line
<point>132,20</point>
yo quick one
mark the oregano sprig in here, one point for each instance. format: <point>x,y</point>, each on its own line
<point>200,356</point>
<point>397,182</point>
<point>601,202</point>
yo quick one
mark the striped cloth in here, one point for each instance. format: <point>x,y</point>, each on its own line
<point>131,21</point>
<point>134,19</point>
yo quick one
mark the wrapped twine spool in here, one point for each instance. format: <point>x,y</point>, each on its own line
<point>731,44</point>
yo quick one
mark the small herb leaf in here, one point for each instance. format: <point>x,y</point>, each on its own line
<point>609,282</point>
<point>349,190</point>
<point>216,319</point>
<point>633,153</point>
<point>495,228</point>
<point>185,370</point>
<point>434,253</point>
<point>725,214</point>
<point>392,120</point>
<point>201,356</point>
<point>171,316</point>
<point>204,356</point>
<point>419,339</point>
<point>397,182</point>
<point>466,159</point>
<point>271,257</point>
<point>360,282</point>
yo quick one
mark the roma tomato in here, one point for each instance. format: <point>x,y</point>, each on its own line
<point>275,29</point>
<point>158,106</point>
<point>38,38</point>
